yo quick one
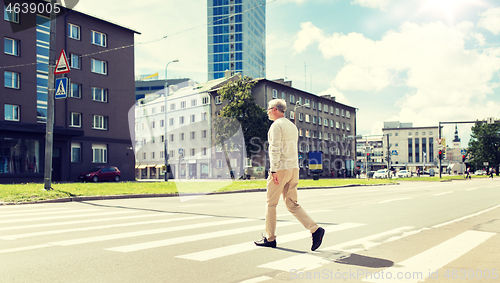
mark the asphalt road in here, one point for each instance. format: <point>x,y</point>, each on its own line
<point>415,231</point>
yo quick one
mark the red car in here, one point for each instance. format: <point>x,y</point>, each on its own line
<point>103,173</point>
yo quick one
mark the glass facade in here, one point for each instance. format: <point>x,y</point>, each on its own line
<point>236,38</point>
<point>19,156</point>
<point>42,67</point>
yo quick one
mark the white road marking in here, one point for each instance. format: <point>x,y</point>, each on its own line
<point>472,189</point>
<point>309,261</point>
<point>248,246</point>
<point>29,212</point>
<point>257,279</point>
<point>465,217</point>
<point>444,193</point>
<point>81,221</point>
<point>13,250</point>
<point>147,232</point>
<point>391,200</point>
<point>432,259</point>
<point>66,215</point>
<point>128,224</point>
<point>192,238</point>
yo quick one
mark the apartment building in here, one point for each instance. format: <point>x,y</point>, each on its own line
<point>91,124</point>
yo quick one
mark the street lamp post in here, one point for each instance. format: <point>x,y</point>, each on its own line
<point>165,123</point>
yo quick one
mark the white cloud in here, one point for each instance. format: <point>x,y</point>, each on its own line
<point>444,80</point>
<point>339,96</point>
<point>374,4</point>
<point>490,20</point>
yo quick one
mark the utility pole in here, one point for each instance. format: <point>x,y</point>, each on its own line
<point>49,131</point>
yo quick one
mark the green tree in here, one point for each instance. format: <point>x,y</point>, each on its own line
<point>484,145</point>
<point>242,111</point>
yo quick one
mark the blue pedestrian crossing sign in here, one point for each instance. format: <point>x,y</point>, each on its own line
<point>62,88</point>
<point>463,152</point>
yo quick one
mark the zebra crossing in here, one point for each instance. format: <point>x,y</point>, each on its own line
<point>49,227</point>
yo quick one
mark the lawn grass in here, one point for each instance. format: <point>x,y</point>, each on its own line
<point>33,192</point>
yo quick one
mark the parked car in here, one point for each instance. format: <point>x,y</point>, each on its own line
<point>382,174</point>
<point>480,172</point>
<point>102,173</point>
<point>403,174</point>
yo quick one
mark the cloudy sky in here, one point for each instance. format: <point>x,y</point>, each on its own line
<point>419,61</point>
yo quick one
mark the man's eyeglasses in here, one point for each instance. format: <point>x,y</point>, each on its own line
<point>270,108</point>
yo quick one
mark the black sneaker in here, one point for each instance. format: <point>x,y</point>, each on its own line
<point>265,243</point>
<point>317,238</point>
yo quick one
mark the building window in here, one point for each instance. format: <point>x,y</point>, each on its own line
<point>153,155</point>
<point>171,154</point>
<point>183,104</point>
<point>192,152</point>
<point>11,112</point>
<point>172,106</point>
<point>300,133</point>
<point>162,109</point>
<point>76,152</point>
<point>99,122</point>
<point>307,103</point>
<point>301,116</point>
<point>292,115</point>
<point>75,61</point>
<point>192,135</point>
<point>204,116</point>
<point>292,98</point>
<point>283,95</point>
<point>75,120</point>
<point>206,100</point>
<point>325,108</point>
<point>219,163</point>
<point>74,31</point>
<point>314,119</point>
<point>193,102</point>
<point>308,118</point>
<point>181,120</point>
<point>319,106</point>
<point>337,112</point>
<point>331,123</point>
<point>171,137</point>
<point>99,94</point>
<point>325,122</point>
<point>348,114</point>
<point>204,151</point>
<point>193,118</point>
<point>275,93</point>
<point>343,113</point>
<point>99,153</point>
<point>204,134</point>
<point>348,127</point>
<point>337,125</point>
<point>331,109</point>
<point>98,38</point>
<point>314,104</point>
<point>171,121</point>
<point>181,136</point>
<point>10,15</point>
<point>217,100</point>
<point>75,91</point>
<point>99,67</point>
<point>162,123</point>
<point>11,46</point>
<point>11,79</point>
<point>308,133</point>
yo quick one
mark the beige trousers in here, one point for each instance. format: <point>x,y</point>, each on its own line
<point>288,180</point>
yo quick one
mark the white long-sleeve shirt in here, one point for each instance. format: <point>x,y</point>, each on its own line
<point>283,137</point>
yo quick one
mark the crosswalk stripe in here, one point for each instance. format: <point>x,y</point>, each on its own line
<point>465,217</point>
<point>8,228</point>
<point>186,239</point>
<point>443,193</point>
<point>309,261</point>
<point>147,232</point>
<point>257,279</point>
<point>434,258</point>
<point>370,241</point>
<point>13,250</point>
<point>248,246</point>
<point>63,216</point>
<point>24,212</point>
<point>128,224</point>
<point>391,200</point>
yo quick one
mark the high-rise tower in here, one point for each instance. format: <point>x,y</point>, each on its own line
<point>236,38</point>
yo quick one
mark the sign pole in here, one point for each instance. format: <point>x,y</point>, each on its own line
<point>49,135</point>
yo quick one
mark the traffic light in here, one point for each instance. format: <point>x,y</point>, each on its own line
<point>367,156</point>
<point>440,154</point>
<point>463,158</point>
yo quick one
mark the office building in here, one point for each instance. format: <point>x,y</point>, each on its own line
<point>411,147</point>
<point>91,124</point>
<point>236,38</point>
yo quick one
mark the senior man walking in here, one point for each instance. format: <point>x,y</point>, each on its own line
<point>284,176</point>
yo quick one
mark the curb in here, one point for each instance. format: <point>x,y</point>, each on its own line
<point>91,198</point>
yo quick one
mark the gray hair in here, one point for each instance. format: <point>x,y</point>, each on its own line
<point>280,104</point>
